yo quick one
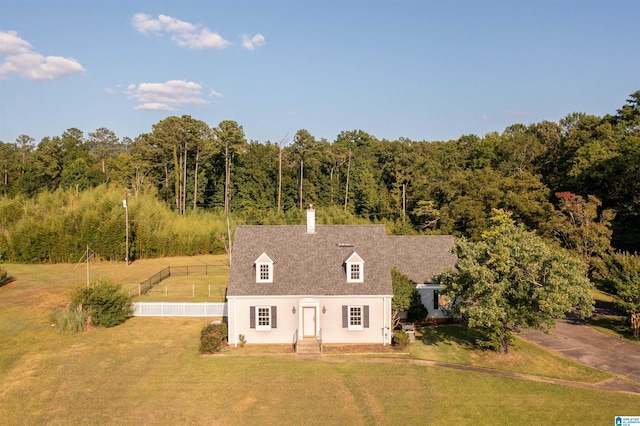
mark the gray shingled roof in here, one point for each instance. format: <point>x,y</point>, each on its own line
<point>313,264</point>
<point>421,257</point>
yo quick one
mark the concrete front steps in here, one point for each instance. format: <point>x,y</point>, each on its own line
<point>308,347</point>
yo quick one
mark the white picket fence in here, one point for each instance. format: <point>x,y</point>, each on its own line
<point>179,309</point>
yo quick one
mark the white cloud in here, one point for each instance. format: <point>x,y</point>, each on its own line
<point>215,94</point>
<point>184,34</point>
<point>21,60</point>
<point>10,43</point>
<point>145,23</point>
<point>166,96</point>
<point>205,39</point>
<point>155,106</point>
<point>485,117</point>
<point>519,113</point>
<point>250,43</point>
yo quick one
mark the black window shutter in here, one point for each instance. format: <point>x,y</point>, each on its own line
<point>436,299</point>
<point>274,317</point>
<point>252,317</point>
<point>345,316</point>
<point>365,316</point>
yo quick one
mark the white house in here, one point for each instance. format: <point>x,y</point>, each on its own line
<point>330,283</point>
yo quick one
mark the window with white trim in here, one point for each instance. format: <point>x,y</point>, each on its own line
<point>265,272</point>
<point>263,317</point>
<point>354,266</point>
<point>264,269</point>
<point>355,317</point>
<point>354,273</point>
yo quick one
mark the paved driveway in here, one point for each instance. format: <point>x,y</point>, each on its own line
<point>578,342</point>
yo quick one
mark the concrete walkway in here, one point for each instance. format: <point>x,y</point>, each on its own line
<point>578,342</point>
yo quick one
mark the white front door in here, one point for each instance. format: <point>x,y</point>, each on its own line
<point>308,321</point>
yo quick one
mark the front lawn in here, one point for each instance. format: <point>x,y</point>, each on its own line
<point>454,344</point>
<point>149,371</point>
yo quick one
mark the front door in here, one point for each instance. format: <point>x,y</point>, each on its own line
<point>308,321</point>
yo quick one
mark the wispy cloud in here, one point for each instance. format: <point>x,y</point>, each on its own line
<point>250,43</point>
<point>518,113</point>
<point>19,58</point>
<point>167,96</point>
<point>184,34</point>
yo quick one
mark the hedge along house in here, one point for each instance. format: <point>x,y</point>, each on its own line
<point>330,283</point>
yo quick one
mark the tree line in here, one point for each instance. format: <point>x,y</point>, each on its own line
<point>448,187</point>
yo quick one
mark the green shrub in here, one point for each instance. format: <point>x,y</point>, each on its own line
<point>417,311</point>
<point>400,340</point>
<point>3,276</point>
<point>213,337</point>
<point>105,303</point>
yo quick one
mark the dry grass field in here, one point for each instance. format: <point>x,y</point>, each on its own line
<point>149,371</point>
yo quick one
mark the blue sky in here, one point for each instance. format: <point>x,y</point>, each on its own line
<point>424,70</point>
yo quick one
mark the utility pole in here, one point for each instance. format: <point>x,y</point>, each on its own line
<point>125,204</point>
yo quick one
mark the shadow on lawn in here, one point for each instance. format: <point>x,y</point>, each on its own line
<point>7,281</point>
<point>617,324</point>
<point>447,335</point>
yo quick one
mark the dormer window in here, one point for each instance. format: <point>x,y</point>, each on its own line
<point>354,268</point>
<point>264,269</point>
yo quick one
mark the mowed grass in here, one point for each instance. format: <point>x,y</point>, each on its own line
<point>149,371</point>
<point>455,344</point>
<point>616,325</point>
<point>192,288</point>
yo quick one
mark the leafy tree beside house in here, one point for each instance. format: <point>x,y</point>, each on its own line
<point>405,298</point>
<point>511,280</point>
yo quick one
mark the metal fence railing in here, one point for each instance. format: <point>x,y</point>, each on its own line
<point>180,309</point>
<point>149,283</point>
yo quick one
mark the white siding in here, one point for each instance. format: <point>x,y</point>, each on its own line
<point>289,324</point>
<point>426,295</point>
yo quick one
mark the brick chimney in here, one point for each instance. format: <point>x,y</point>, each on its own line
<point>311,220</point>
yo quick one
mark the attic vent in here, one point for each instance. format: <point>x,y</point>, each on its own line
<point>344,245</point>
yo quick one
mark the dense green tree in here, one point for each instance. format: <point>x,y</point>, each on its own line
<point>10,166</point>
<point>403,289</point>
<point>177,145</point>
<point>581,226</point>
<point>229,137</point>
<point>302,151</point>
<point>466,201</point>
<point>256,178</point>
<point>25,144</point>
<point>435,187</point>
<point>622,274</point>
<point>103,143</point>
<point>511,280</point>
